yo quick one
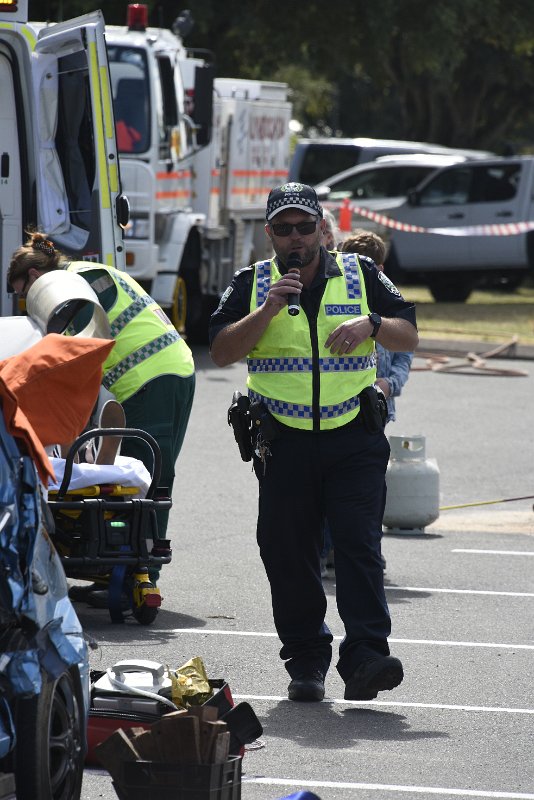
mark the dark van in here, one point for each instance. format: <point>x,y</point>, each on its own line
<point>314,160</point>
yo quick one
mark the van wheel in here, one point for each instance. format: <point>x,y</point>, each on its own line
<point>50,751</point>
<point>453,288</point>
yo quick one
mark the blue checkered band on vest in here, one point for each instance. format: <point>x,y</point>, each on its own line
<point>263,281</point>
<point>330,364</point>
<point>305,412</point>
<point>135,308</point>
<point>139,356</point>
<point>352,277</point>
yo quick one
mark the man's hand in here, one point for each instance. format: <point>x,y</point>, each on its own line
<point>347,336</point>
<point>395,334</point>
<point>276,298</point>
<point>383,384</point>
<point>236,340</point>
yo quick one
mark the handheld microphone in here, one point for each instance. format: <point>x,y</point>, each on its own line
<point>294,263</point>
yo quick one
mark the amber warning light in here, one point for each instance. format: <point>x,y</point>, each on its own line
<point>137,17</point>
<point>9,6</point>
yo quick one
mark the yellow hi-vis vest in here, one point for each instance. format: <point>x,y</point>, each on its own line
<point>291,370</point>
<point>144,351</point>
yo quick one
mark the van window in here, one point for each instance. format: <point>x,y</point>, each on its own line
<point>321,161</point>
<point>495,183</point>
<point>380,182</point>
<point>74,137</point>
<point>450,187</point>
<point>472,184</point>
<point>129,83</point>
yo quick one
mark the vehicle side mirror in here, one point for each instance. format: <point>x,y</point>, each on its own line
<point>322,192</point>
<point>413,197</point>
<point>202,113</point>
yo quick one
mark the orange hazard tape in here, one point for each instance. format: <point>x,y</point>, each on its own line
<point>348,208</point>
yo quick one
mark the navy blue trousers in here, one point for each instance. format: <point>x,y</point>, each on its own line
<point>338,475</point>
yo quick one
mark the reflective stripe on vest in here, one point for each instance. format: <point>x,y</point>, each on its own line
<point>332,364</point>
<point>138,356</point>
<point>283,364</point>
<point>152,348</point>
<point>305,412</point>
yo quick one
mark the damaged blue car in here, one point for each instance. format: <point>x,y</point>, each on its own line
<point>44,666</point>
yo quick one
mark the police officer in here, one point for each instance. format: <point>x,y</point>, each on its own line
<point>311,371</point>
<point>150,370</point>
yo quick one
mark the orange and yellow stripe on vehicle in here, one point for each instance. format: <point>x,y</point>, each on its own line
<point>250,182</point>
<point>175,185</point>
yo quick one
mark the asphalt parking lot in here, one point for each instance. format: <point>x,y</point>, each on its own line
<point>461,599</point>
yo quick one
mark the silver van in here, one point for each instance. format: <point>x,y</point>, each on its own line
<point>314,160</point>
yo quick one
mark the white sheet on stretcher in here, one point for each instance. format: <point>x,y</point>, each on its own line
<point>125,472</point>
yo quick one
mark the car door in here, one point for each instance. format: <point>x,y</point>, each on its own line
<point>78,203</point>
<point>13,197</point>
<point>441,202</point>
<point>495,200</point>
<point>379,188</point>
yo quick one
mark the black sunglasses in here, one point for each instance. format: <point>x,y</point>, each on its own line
<point>285,228</point>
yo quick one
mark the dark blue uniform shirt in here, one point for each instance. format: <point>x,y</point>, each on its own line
<point>382,296</point>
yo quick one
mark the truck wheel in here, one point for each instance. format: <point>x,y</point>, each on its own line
<point>50,751</point>
<point>453,288</point>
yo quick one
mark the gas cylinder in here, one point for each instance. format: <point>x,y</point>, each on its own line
<point>412,487</point>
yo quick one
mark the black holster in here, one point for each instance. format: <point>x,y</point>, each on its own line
<point>263,422</point>
<point>373,409</point>
<point>239,419</point>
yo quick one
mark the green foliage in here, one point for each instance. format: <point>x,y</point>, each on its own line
<point>458,72</point>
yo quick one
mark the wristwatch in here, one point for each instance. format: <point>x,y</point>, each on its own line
<point>376,320</point>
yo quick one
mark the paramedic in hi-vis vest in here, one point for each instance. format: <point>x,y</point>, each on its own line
<point>150,370</point>
<point>307,322</point>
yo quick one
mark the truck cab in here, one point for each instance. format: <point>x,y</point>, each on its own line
<point>157,139</point>
<point>199,156</point>
<point>59,171</point>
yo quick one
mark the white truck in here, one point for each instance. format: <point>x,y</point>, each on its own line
<point>59,169</point>
<point>198,157</point>
<point>465,224</point>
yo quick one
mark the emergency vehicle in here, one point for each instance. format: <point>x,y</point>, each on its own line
<point>59,170</point>
<point>198,158</point>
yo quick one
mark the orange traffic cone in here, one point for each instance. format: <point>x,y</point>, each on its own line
<point>345,216</point>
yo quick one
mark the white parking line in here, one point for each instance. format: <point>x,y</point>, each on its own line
<point>456,591</point>
<point>389,788</point>
<point>273,635</point>
<point>393,704</point>
<point>495,552</point>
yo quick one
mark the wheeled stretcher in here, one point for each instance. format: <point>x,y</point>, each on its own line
<point>108,535</point>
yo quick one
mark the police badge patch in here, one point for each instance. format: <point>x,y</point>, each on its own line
<point>387,283</point>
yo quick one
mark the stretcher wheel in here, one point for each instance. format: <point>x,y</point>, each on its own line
<point>145,598</point>
<point>144,614</point>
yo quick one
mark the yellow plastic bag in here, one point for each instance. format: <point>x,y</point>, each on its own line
<point>190,684</point>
